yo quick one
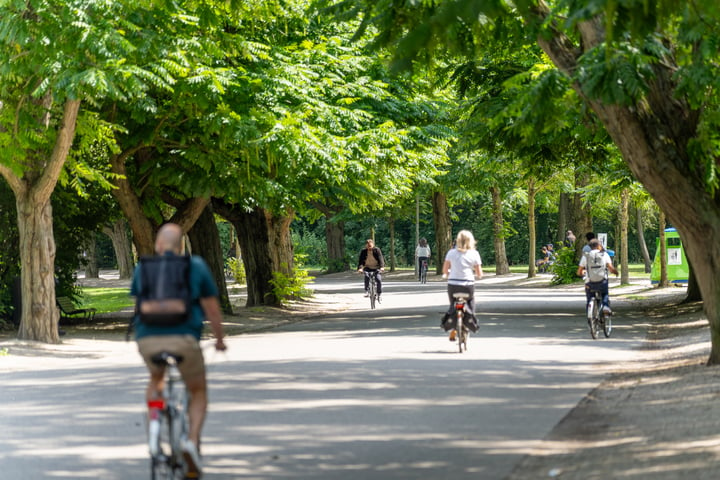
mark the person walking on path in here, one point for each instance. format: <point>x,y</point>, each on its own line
<point>181,336</point>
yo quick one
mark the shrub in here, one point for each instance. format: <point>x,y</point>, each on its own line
<point>565,267</point>
<point>236,267</point>
<point>292,286</point>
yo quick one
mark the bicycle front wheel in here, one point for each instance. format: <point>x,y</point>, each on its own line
<point>594,308</point>
<point>373,293</point>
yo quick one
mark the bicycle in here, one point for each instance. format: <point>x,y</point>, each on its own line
<point>372,285</point>
<point>168,423</point>
<point>423,271</point>
<point>597,318</point>
<point>461,330</point>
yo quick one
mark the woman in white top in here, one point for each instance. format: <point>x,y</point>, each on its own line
<point>462,265</point>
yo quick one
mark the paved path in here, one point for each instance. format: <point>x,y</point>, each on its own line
<point>353,395</point>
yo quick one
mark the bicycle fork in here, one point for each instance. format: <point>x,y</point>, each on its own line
<point>155,408</point>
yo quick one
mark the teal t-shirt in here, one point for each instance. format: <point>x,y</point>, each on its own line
<point>202,285</point>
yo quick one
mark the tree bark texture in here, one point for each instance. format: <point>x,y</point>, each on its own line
<point>641,239</point>
<point>91,261</point>
<point>654,137</point>
<point>121,245</point>
<point>443,228</point>
<point>565,220</point>
<point>40,315</point>
<point>391,227</point>
<point>205,241</point>
<point>624,220</point>
<point>502,267</point>
<point>532,234</point>
<point>335,242</point>
<point>281,246</point>
<point>252,231</point>
<point>581,212</point>
<point>663,283</point>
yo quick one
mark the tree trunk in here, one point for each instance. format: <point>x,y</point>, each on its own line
<point>391,227</point>
<point>122,247</point>
<point>143,229</point>
<point>641,239</point>
<point>655,138</point>
<point>205,241</point>
<point>565,217</point>
<point>252,232</point>
<point>581,212</point>
<point>624,208</point>
<point>663,283</point>
<point>40,315</point>
<point>443,228</point>
<point>281,246</point>
<point>91,261</point>
<point>502,267</point>
<point>532,235</point>
<point>335,241</point>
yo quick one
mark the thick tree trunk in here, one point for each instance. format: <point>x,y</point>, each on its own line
<point>335,241</point>
<point>91,261</point>
<point>624,209</point>
<point>654,137</point>
<point>281,246</point>
<point>122,247</point>
<point>252,230</point>
<point>532,234</point>
<point>502,267</point>
<point>693,289</point>
<point>443,228</point>
<point>641,240</point>
<point>205,241</point>
<point>40,315</point>
<point>581,212</point>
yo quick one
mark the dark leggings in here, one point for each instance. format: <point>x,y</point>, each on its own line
<point>602,287</point>
<point>378,277</point>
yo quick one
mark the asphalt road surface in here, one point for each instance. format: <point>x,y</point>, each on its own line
<point>361,394</point>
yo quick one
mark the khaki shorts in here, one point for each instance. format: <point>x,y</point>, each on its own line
<point>192,366</point>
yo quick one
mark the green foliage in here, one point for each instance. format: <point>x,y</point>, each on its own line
<point>293,286</point>
<point>565,268</point>
<point>236,266</point>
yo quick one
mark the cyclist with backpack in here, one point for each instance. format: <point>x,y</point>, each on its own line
<point>175,294</point>
<point>594,267</point>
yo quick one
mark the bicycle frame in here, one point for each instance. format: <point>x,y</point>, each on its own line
<point>596,316</point>
<point>372,285</point>
<point>459,308</point>
<point>168,423</point>
<point>423,271</point>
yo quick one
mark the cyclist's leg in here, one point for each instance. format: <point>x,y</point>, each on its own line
<point>605,291</point>
<point>367,279</point>
<point>148,347</point>
<point>378,277</point>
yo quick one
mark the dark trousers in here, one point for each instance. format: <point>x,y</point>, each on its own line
<point>602,287</point>
<point>379,279</point>
<point>462,289</point>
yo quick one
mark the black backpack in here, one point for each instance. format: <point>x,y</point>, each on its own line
<point>165,298</point>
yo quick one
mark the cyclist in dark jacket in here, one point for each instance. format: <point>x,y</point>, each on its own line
<point>371,260</point>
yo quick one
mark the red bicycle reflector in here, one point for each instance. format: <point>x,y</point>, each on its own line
<point>159,404</point>
<point>459,307</point>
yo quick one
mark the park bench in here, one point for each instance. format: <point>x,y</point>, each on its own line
<point>69,312</point>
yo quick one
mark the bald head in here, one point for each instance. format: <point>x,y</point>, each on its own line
<point>169,239</point>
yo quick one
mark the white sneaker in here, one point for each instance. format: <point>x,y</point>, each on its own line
<point>192,459</point>
<point>379,299</point>
<point>606,310</point>
<point>367,294</point>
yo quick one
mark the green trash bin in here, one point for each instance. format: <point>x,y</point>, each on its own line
<point>678,270</point>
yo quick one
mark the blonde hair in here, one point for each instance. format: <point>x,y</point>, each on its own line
<point>465,241</point>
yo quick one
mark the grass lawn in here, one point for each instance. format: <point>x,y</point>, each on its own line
<point>106,300</point>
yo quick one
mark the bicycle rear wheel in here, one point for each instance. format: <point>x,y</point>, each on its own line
<point>606,323</point>
<point>373,293</point>
<point>423,274</point>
